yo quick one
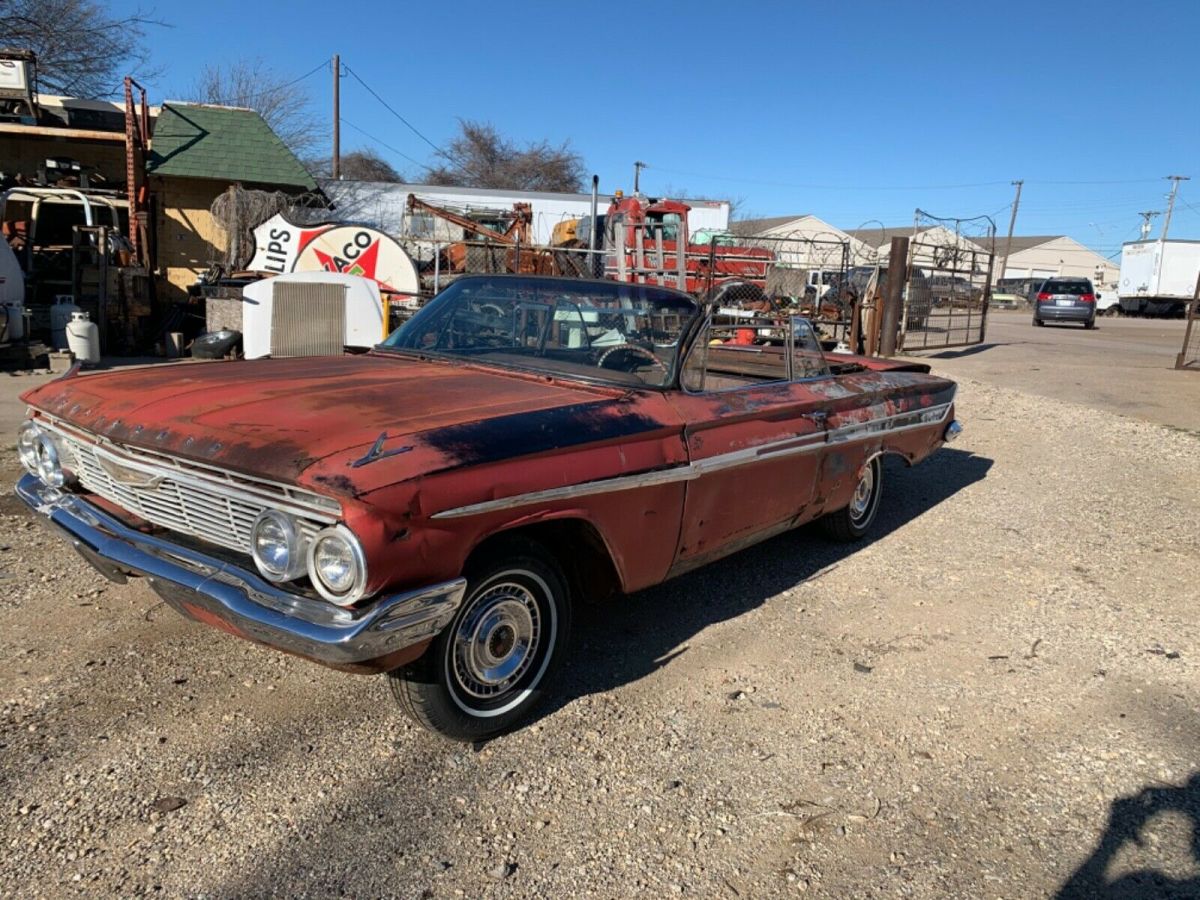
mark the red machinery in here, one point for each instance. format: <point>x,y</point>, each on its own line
<point>643,237</point>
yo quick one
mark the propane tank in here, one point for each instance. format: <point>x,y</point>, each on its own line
<point>16,319</point>
<point>12,321</point>
<point>60,314</point>
<point>83,337</point>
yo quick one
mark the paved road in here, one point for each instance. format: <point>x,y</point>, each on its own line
<point>1124,366</point>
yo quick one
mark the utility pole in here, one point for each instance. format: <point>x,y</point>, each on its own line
<point>1146,217</point>
<point>337,117</point>
<point>1012,221</point>
<point>637,170</point>
<point>1174,179</point>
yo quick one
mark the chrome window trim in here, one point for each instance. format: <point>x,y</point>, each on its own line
<point>699,345</point>
<point>792,446</point>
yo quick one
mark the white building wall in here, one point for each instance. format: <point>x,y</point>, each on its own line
<point>811,243</point>
<point>1061,256</point>
<point>933,243</point>
<point>821,247</point>
<point>382,205</point>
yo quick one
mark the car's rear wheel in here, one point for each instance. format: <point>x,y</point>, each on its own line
<point>854,521</point>
<point>1038,322</point>
<point>487,670</point>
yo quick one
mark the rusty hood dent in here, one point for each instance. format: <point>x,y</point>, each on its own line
<point>308,420</point>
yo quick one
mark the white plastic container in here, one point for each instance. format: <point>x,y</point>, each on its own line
<point>60,315</point>
<point>83,338</point>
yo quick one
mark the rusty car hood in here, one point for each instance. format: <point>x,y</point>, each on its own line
<point>277,418</point>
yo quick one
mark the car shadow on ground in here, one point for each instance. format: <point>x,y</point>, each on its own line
<point>1128,818</point>
<point>620,641</point>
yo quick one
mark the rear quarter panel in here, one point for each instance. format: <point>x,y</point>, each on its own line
<point>858,405</point>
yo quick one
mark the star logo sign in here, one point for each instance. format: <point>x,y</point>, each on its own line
<point>364,264</point>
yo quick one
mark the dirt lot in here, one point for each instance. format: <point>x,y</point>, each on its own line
<point>997,697</point>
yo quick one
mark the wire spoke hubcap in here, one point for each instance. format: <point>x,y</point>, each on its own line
<point>496,640</point>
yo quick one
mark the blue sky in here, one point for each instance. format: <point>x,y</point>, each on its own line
<point>853,112</point>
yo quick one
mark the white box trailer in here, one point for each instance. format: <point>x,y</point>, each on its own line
<point>1158,278</point>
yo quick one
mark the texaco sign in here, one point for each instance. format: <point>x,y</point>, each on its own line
<point>280,246</point>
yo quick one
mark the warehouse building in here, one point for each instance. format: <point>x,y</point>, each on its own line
<point>1046,256</point>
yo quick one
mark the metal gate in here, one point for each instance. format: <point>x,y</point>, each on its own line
<point>1189,356</point>
<point>947,293</point>
<point>948,282</point>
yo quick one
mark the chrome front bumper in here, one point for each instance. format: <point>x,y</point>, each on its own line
<point>210,590</point>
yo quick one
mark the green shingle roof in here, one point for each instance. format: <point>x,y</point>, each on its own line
<point>221,142</point>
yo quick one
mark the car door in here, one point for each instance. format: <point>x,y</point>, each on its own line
<point>754,447</point>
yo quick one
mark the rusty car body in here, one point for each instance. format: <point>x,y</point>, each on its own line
<point>431,509</point>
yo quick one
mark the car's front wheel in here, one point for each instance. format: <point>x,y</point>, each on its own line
<point>487,670</point>
<point>852,522</point>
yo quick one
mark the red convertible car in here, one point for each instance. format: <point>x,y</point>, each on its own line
<point>432,509</point>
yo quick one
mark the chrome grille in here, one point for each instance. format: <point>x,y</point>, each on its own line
<point>204,502</point>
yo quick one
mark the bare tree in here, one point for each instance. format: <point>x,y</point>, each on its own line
<point>83,49</point>
<point>281,101</point>
<point>481,157</point>
<point>358,165</point>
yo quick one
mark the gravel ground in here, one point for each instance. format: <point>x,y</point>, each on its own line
<point>996,697</point>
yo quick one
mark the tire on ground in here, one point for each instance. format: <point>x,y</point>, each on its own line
<point>852,522</point>
<point>487,671</point>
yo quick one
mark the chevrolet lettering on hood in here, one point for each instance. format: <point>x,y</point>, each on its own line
<point>434,509</point>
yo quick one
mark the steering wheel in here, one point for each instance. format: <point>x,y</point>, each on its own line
<point>629,348</point>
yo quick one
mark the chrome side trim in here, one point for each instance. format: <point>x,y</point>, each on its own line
<point>895,424</point>
<point>217,592</point>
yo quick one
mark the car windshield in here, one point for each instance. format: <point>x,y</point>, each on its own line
<point>626,334</point>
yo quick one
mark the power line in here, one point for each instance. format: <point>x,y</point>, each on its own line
<point>911,187</point>
<point>388,107</point>
<point>383,144</point>
<point>1125,181</point>
<point>313,71</point>
<point>827,187</point>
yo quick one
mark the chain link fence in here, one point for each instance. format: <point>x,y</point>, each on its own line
<point>837,284</point>
<point>783,275</point>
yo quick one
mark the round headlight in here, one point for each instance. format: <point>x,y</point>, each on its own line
<point>27,446</point>
<point>337,566</point>
<point>49,468</point>
<point>275,543</point>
